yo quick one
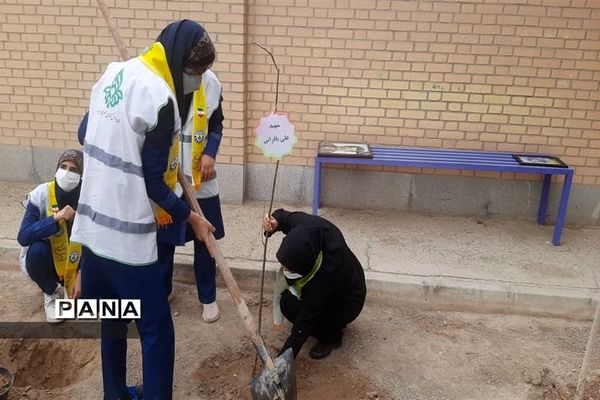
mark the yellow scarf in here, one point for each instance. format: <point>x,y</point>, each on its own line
<point>199,128</point>
<point>155,58</point>
<point>66,255</point>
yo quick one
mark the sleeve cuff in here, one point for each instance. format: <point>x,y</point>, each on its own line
<point>48,227</point>
<point>177,208</point>
<point>212,147</point>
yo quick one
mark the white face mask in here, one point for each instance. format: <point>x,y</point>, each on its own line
<point>67,180</point>
<point>191,83</point>
<point>291,275</point>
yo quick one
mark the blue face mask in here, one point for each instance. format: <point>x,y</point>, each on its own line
<point>191,83</point>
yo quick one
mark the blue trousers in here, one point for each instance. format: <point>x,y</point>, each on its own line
<point>40,266</point>
<point>205,270</point>
<point>108,279</point>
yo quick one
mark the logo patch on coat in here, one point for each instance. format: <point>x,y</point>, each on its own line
<point>73,257</point>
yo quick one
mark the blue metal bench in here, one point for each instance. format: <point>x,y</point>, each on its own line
<point>461,160</point>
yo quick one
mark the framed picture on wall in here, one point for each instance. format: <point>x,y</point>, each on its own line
<point>539,160</point>
<point>344,149</point>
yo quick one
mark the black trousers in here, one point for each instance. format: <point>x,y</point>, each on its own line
<point>333,318</point>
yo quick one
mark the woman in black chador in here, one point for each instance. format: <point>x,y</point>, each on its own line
<point>321,285</point>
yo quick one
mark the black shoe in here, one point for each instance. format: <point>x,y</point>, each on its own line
<point>322,350</point>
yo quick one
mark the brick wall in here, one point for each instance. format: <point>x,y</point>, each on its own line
<point>52,52</point>
<point>511,75</point>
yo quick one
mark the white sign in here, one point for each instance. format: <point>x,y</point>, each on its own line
<point>275,136</point>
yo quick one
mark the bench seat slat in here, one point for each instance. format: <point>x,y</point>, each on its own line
<point>440,158</point>
<point>442,155</point>
<point>396,150</point>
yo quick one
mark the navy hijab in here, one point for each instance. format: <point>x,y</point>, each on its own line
<point>179,38</point>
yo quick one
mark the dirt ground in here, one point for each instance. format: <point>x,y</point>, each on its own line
<point>388,353</point>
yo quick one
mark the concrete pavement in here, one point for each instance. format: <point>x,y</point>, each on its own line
<point>442,262</point>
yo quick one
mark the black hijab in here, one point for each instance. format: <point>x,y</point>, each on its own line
<point>300,248</point>
<point>186,44</point>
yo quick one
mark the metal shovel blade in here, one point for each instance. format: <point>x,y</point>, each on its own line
<point>278,383</point>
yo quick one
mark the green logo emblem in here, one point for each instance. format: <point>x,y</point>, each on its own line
<point>112,93</point>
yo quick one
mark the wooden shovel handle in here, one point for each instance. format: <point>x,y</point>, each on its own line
<point>113,30</point>
<point>230,281</point>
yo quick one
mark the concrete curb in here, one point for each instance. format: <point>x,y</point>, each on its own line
<point>446,293</point>
<point>434,293</point>
<point>439,293</point>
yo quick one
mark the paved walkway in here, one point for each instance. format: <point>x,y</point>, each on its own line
<point>438,261</point>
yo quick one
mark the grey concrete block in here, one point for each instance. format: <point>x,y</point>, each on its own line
<point>584,204</point>
<point>307,185</point>
<point>28,164</point>
<point>514,198</point>
<point>450,195</point>
<point>290,186</point>
<point>231,183</point>
<point>365,189</point>
<point>44,162</point>
<point>17,164</point>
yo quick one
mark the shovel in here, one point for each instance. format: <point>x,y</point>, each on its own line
<point>277,381</point>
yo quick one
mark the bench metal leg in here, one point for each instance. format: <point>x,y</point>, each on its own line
<point>316,188</point>
<point>562,209</point>
<point>541,219</point>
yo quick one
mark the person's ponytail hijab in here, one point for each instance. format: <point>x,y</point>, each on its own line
<point>187,45</point>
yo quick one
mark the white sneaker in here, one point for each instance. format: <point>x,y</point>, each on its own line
<point>50,305</point>
<point>210,312</point>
